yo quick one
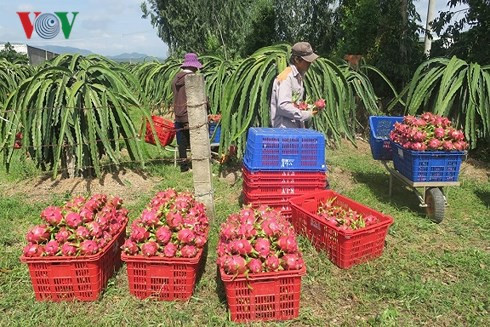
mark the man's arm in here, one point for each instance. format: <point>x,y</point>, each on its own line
<point>285,105</point>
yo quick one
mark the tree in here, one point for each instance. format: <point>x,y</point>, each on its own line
<point>385,32</point>
<point>200,25</point>
<point>472,44</point>
<point>13,56</point>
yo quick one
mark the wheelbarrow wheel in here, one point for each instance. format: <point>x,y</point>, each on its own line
<point>435,204</point>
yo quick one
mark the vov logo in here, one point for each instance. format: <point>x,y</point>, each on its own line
<point>47,25</point>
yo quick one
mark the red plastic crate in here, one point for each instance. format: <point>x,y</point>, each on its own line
<point>160,278</point>
<point>280,190</point>
<point>263,296</point>
<point>75,278</point>
<point>344,248</point>
<point>291,177</point>
<point>164,129</point>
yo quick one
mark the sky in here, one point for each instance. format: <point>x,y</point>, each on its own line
<point>106,27</point>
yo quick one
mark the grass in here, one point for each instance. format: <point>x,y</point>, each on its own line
<point>436,275</point>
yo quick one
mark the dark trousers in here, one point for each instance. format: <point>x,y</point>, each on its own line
<point>184,143</point>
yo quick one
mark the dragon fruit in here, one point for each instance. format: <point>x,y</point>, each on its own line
<point>149,249</point>
<point>189,251</point>
<point>170,250</point>
<point>427,132</point>
<point>89,247</point>
<point>52,215</point>
<point>272,263</point>
<point>51,248</point>
<point>163,235</point>
<point>175,222</point>
<point>33,250</point>
<point>73,219</point>
<point>186,236</point>
<point>235,265</point>
<point>292,261</point>
<point>38,234</point>
<point>74,222</point>
<point>255,241</point>
<point>130,247</point>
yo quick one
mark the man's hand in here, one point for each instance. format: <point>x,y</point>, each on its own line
<point>314,112</point>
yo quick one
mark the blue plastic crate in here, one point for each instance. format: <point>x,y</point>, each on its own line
<point>379,139</point>
<point>427,166</point>
<point>285,149</point>
<point>217,136</point>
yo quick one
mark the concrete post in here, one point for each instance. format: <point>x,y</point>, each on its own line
<point>200,147</point>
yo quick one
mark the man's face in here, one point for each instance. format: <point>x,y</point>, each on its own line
<point>302,66</point>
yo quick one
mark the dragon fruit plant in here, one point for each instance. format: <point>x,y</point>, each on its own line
<point>257,240</point>
<point>172,225</point>
<point>81,227</point>
<point>429,132</point>
<point>344,219</point>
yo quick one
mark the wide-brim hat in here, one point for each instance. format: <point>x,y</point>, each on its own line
<point>304,50</point>
<point>190,60</point>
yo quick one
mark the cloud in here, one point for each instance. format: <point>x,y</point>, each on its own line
<point>96,23</point>
<point>25,7</point>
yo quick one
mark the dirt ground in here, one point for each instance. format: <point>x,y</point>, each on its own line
<point>128,183</point>
<point>125,183</point>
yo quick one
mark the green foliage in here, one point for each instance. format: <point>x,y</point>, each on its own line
<point>306,20</point>
<point>200,25</point>
<point>9,54</point>
<point>11,75</point>
<point>452,88</point>
<point>385,32</point>
<point>471,44</point>
<point>73,107</point>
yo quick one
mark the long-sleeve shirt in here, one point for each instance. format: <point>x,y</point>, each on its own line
<point>180,98</point>
<point>283,111</point>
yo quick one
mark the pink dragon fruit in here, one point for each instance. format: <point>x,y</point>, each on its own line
<point>150,248</point>
<point>247,216</point>
<point>288,244</point>
<point>62,235</point>
<point>271,227</point>
<point>52,215</point>
<point>87,215</point>
<point>130,247</point>
<point>52,247</point>
<point>188,251</point>
<point>242,247</point>
<point>272,263</point>
<point>116,202</point>
<point>447,145</point>
<point>200,241</point>
<point>38,234</point>
<point>262,246</point>
<point>227,231</point>
<point>417,146</point>
<point>434,144</point>
<point>439,133</point>
<point>73,219</point>
<point>68,249</point>
<point>292,262</point>
<point>95,229</point>
<point>174,220</point>
<point>186,236</point>
<point>89,247</point>
<point>247,230</point>
<point>170,250</point>
<point>235,265</point>
<point>163,235</point>
<point>255,265</point>
<point>419,136</point>
<point>33,250</point>
<point>139,234</point>
<point>82,233</point>
<point>150,218</point>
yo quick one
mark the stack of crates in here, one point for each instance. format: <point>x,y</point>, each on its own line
<point>281,163</point>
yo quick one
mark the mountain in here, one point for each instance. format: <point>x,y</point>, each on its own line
<point>123,57</point>
<point>133,57</point>
<point>63,50</point>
